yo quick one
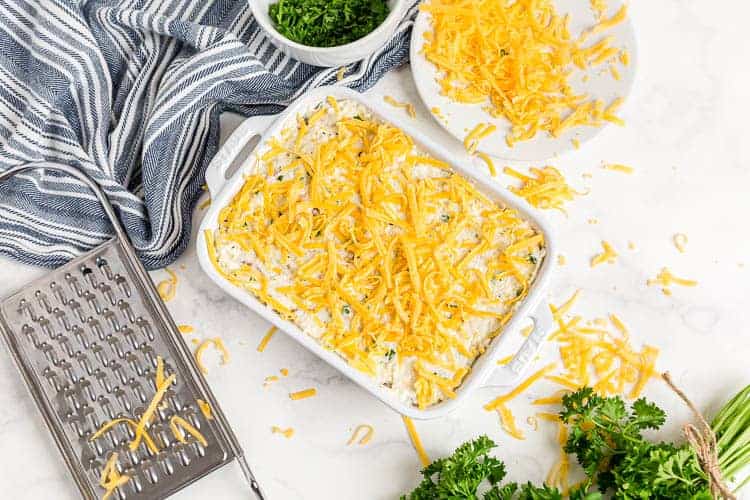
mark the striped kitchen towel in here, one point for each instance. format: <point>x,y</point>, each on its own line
<point>130,91</point>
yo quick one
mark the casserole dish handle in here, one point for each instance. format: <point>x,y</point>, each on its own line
<point>510,373</point>
<point>228,157</point>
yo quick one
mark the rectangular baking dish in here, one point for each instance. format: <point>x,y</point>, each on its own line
<point>222,191</point>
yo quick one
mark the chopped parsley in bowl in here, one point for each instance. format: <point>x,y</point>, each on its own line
<point>327,23</point>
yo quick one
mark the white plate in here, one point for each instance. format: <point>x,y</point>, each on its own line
<point>222,191</point>
<point>461,118</point>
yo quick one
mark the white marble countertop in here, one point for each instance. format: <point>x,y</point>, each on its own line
<point>687,138</point>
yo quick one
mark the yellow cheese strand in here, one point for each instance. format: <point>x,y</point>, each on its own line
<point>369,432</point>
<point>287,433</point>
<point>494,404</point>
<point>416,441</point>
<point>307,393</point>
<point>266,339</point>
<point>179,426</point>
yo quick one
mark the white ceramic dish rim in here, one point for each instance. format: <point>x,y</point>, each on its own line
<point>222,192</point>
<point>264,20</point>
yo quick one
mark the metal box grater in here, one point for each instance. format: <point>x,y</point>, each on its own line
<point>86,340</point>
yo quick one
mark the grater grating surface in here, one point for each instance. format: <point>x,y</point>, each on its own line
<point>86,338</point>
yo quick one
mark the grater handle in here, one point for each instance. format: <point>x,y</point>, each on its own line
<point>144,278</point>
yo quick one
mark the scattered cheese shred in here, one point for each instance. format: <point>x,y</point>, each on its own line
<point>284,372</point>
<point>307,393</point>
<point>665,279</point>
<point>205,409</point>
<point>517,58</point>
<point>185,329</point>
<point>218,344</point>
<point>525,332</point>
<point>599,7</point>
<point>369,433</point>
<point>269,380</point>
<point>479,132</point>
<point>508,422</point>
<point>168,287</point>
<point>504,361</point>
<point>490,164</point>
<point>495,403</point>
<point>680,241</point>
<point>576,143</point>
<point>405,105</point>
<point>341,72</point>
<point>287,433</point>
<point>561,260</point>
<point>618,168</point>
<point>111,479</point>
<point>266,338</point>
<point>437,112</point>
<point>416,441</point>
<point>545,188</point>
<point>133,424</point>
<point>180,426</point>
<point>609,255</point>
<point>150,410</point>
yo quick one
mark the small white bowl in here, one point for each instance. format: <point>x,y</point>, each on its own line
<point>329,56</point>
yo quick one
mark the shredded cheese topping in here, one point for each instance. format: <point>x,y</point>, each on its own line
<point>416,441</point>
<point>185,329</point>
<point>168,287</point>
<point>482,130</point>
<point>516,57</point>
<point>284,372</point>
<point>369,433</point>
<point>545,188</point>
<point>561,260</point>
<point>608,255</point>
<point>380,252</point>
<point>307,393</point>
<point>504,361</point>
<point>266,339</point>
<point>405,105</point>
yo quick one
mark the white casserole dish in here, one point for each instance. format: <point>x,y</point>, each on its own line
<point>222,191</point>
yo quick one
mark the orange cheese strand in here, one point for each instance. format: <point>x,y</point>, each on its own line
<point>608,255</point>
<point>405,105</point>
<point>218,344</point>
<point>543,188</point>
<point>517,59</point>
<point>665,278</point>
<point>150,410</point>
<point>168,287</point>
<point>287,433</point>
<point>266,339</point>
<point>110,478</point>
<point>205,409</point>
<point>494,404</point>
<point>307,393</point>
<point>416,441</point>
<point>185,329</point>
<point>508,422</point>
<point>369,432</point>
<point>179,426</point>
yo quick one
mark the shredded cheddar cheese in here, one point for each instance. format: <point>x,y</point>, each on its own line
<point>379,251</point>
<point>180,426</point>
<point>508,422</point>
<point>168,287</point>
<point>307,393</point>
<point>416,441</point>
<point>185,329</point>
<point>369,433</point>
<point>111,479</point>
<point>490,164</point>
<point>545,188</point>
<point>205,409</point>
<point>665,279</point>
<point>341,72</point>
<point>218,344</point>
<point>576,143</point>
<point>504,361</point>
<point>561,260</point>
<point>680,242</point>
<point>266,339</point>
<point>608,255</point>
<point>618,168</point>
<point>516,58</point>
<point>284,372</point>
<point>482,130</point>
<point>497,402</point>
<point>287,433</point>
<point>405,105</point>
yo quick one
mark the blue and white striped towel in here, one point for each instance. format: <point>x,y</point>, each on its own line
<point>131,91</point>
